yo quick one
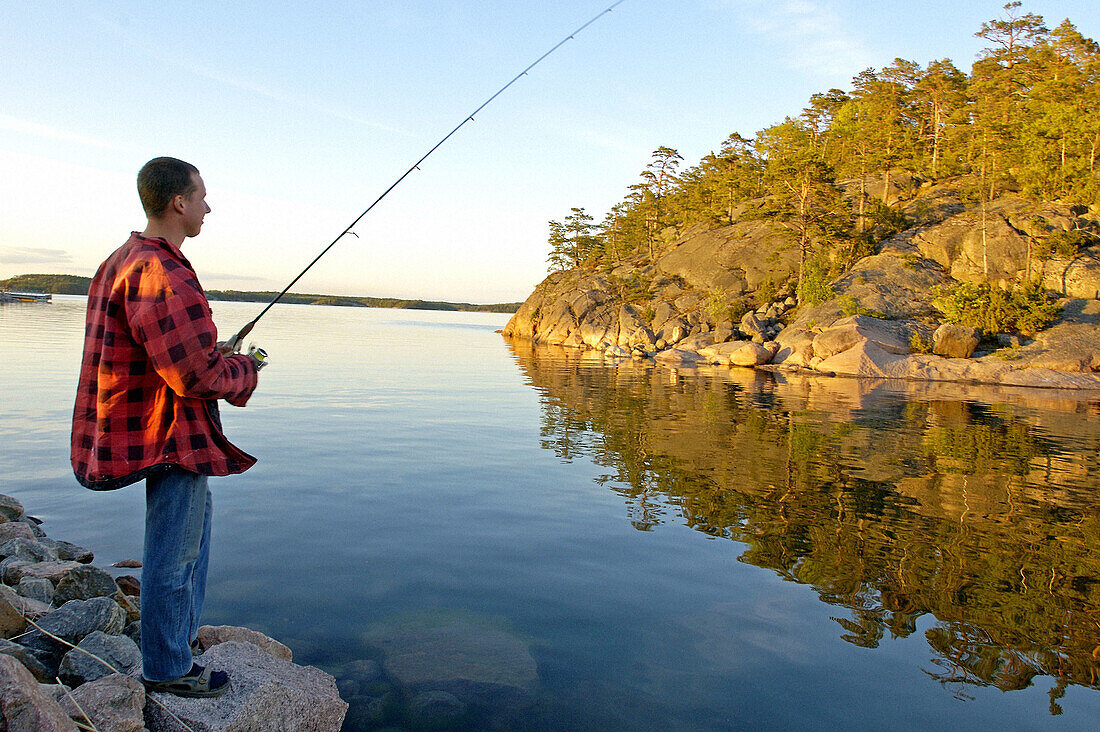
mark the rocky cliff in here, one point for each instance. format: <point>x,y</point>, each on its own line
<point>727,296</point>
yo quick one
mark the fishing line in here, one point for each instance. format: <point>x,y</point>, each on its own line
<point>235,342</point>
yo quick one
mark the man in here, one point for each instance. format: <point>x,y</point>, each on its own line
<point>146,408</point>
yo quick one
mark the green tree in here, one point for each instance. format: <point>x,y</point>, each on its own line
<point>939,96</point>
<point>804,197</point>
<point>558,258</point>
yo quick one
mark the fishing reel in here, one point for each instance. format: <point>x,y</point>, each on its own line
<point>233,345</point>
<point>258,355</point>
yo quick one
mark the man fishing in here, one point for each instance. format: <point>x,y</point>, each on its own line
<point>146,408</point>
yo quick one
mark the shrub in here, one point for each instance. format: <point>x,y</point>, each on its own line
<point>850,306</point>
<point>814,288</point>
<point>1064,244</point>
<point>919,345</point>
<point>766,292</point>
<point>991,309</point>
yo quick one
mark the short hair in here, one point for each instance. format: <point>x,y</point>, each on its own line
<point>160,180</point>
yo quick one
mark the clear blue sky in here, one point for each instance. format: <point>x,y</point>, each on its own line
<point>300,114</point>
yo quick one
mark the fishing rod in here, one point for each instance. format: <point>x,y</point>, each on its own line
<point>235,342</point>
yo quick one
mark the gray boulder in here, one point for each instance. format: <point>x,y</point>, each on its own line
<point>10,508</point>
<point>72,622</point>
<point>112,703</point>
<point>852,330</point>
<point>678,357</point>
<point>68,551</point>
<point>29,550</point>
<point>26,658</point>
<point>84,583</point>
<point>952,340</point>
<point>28,607</point>
<point>14,570</point>
<point>265,693</point>
<point>36,588</point>
<point>77,619</point>
<point>99,655</point>
<point>24,706</point>
<point>15,530</point>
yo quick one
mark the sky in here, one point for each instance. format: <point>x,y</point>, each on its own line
<point>299,115</point>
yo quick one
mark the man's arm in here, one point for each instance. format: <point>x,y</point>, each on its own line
<point>179,337</point>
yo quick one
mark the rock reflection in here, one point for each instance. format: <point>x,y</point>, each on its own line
<point>974,505</point>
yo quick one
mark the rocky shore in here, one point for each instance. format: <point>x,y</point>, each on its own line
<point>727,296</point>
<point>70,653</point>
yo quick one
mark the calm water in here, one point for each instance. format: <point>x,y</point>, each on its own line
<point>635,548</point>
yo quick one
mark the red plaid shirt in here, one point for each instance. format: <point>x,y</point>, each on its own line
<point>151,375</point>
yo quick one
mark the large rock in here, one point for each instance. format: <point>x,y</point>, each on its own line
<point>29,661</point>
<point>212,635</point>
<point>796,347</point>
<point>79,618</point>
<point>84,583</point>
<point>752,354</point>
<point>72,622</point>
<point>10,508</point>
<point>53,571</point>
<point>68,551</point>
<point>114,703</point>
<point>265,693</point>
<point>23,704</point>
<point>12,621</point>
<point>952,340</point>
<point>99,655</point>
<point>29,550</point>
<point>848,332</point>
<point>36,588</point>
<point>15,530</point>
<point>752,324</point>
<point>27,606</point>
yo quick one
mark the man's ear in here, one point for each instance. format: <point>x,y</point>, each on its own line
<point>179,203</point>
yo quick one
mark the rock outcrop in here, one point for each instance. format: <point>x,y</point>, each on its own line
<point>266,693</point>
<point>726,296</point>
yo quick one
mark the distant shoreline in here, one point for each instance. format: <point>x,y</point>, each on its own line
<point>60,284</point>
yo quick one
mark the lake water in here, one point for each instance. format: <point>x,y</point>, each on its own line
<point>619,547</point>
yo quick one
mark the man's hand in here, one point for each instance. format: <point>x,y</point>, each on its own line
<point>227,348</point>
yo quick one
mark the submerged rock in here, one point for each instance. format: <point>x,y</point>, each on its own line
<point>476,659</point>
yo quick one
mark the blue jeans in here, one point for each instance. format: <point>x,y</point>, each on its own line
<point>178,509</point>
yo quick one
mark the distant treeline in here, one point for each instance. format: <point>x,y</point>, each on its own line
<point>74,285</point>
<point>52,283</point>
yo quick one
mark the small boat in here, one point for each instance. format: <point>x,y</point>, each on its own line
<point>8,296</point>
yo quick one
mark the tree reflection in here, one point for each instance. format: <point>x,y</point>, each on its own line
<point>980,513</point>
